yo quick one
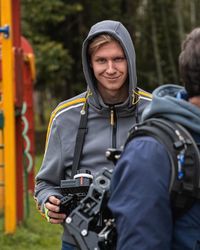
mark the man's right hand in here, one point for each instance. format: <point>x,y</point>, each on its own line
<point>52,208</point>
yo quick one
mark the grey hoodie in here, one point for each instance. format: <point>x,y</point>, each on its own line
<point>167,103</point>
<point>101,133</point>
<point>120,33</point>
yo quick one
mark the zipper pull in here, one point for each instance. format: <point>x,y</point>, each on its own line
<point>112,120</point>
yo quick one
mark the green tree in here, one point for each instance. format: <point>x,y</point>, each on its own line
<point>42,25</point>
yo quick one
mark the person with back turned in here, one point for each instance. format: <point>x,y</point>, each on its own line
<point>140,198</point>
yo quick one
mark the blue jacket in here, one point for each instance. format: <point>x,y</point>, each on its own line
<point>140,201</point>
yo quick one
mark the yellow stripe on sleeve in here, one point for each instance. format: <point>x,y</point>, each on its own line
<point>146,94</point>
<point>60,108</point>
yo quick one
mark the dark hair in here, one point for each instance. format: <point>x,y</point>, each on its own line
<point>189,63</point>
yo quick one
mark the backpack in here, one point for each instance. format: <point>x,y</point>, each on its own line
<point>184,157</point>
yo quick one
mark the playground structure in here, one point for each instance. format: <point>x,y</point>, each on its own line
<point>17,74</point>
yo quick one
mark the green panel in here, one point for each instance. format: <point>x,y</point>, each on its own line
<point>1,120</point>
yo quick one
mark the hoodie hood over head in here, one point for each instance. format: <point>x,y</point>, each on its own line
<point>120,33</point>
<point>169,101</point>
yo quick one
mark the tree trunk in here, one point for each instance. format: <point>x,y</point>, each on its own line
<point>156,47</point>
<point>168,44</point>
<point>178,11</point>
<point>192,13</point>
<point>39,107</point>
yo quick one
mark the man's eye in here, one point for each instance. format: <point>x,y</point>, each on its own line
<point>101,60</point>
<point>119,59</point>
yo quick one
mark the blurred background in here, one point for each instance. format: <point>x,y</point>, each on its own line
<point>46,37</point>
<point>56,30</point>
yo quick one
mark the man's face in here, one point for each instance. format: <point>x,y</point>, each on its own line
<point>110,69</point>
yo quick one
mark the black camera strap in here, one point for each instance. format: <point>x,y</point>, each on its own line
<point>82,130</point>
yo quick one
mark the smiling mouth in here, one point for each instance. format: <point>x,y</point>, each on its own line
<point>112,78</point>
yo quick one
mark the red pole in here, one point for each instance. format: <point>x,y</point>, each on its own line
<point>18,61</point>
<point>29,78</point>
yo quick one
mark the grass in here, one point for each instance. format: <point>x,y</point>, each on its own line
<point>34,233</point>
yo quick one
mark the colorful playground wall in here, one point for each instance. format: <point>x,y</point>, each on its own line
<point>17,76</point>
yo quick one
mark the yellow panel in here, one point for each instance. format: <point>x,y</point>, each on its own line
<point>1,174</point>
<point>1,152</point>
<point>9,128</point>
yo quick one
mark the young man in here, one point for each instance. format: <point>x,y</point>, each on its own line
<point>110,106</point>
<point>140,199</point>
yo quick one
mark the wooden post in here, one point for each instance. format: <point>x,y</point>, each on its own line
<point>9,127</point>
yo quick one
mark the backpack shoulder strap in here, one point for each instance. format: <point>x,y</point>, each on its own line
<point>160,130</point>
<point>184,157</point>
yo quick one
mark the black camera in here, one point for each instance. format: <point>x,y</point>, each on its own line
<point>74,190</point>
<point>91,223</point>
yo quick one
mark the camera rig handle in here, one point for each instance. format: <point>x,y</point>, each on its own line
<point>91,223</point>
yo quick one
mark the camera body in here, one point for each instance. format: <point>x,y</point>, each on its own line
<point>91,223</point>
<point>74,190</point>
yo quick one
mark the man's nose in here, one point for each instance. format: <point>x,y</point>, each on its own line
<point>111,67</point>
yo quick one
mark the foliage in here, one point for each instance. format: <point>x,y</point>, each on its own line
<point>42,25</point>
